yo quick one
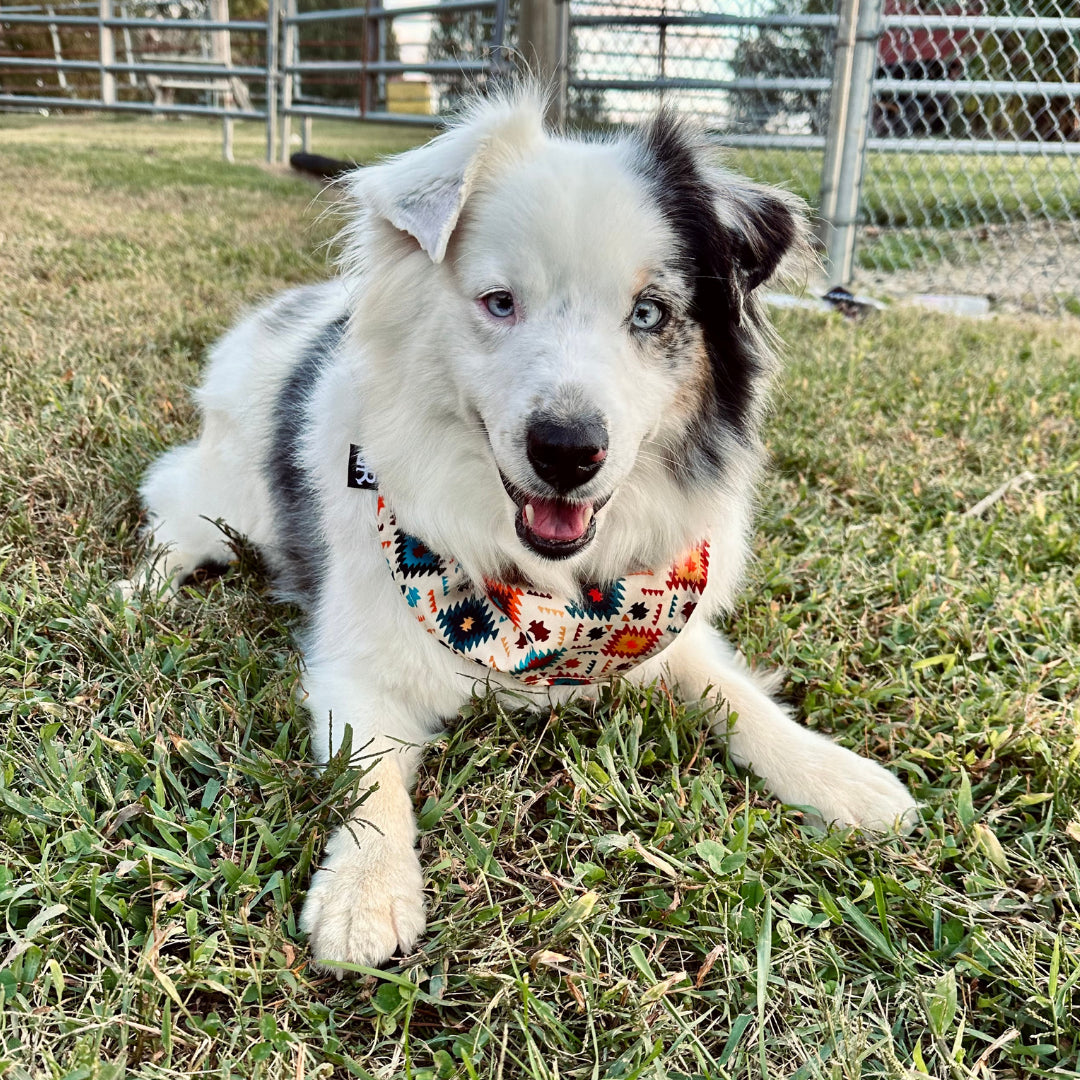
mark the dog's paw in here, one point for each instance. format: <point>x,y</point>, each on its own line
<point>847,789</point>
<point>126,589</point>
<point>364,905</point>
<point>144,583</point>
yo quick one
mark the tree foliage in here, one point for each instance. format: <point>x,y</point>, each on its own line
<point>803,52</point>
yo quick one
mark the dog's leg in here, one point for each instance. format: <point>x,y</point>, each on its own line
<point>366,900</point>
<point>184,491</point>
<point>799,766</point>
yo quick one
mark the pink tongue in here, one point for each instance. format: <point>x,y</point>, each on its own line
<point>554,520</point>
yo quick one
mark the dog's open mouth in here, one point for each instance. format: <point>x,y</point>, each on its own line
<point>555,528</point>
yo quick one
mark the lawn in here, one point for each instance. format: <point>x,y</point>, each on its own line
<point>608,895</point>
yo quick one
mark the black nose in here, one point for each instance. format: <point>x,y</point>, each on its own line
<point>566,454</point>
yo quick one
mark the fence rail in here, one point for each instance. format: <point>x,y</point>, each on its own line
<point>289,77</point>
<point>485,23</point>
<point>223,84</point>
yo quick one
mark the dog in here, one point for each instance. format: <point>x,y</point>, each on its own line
<point>514,443</point>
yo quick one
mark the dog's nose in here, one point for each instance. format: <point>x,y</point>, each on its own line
<point>566,455</point>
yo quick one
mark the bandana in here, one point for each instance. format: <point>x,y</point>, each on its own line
<point>540,639</point>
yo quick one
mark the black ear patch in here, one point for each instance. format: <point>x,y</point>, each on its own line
<point>771,231</point>
<point>732,236</point>
<point>730,228</point>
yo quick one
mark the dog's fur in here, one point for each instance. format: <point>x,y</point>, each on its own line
<point>401,356</point>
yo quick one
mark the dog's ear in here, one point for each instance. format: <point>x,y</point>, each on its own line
<point>734,233</point>
<point>422,192</point>
<point>764,226</point>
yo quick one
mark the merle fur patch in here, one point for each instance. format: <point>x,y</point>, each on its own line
<point>301,555</point>
<point>726,261</point>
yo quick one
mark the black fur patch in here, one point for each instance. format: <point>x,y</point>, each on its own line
<point>725,264</point>
<point>301,553</point>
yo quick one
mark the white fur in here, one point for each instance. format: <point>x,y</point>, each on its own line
<point>437,393</point>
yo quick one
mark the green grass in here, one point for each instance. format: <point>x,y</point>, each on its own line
<point>608,896</point>
<point>131,153</point>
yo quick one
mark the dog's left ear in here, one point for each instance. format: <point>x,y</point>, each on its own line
<point>735,233</point>
<point>763,225</point>
<point>422,192</point>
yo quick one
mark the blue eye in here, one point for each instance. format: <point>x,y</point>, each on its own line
<point>647,315</point>
<point>500,304</point>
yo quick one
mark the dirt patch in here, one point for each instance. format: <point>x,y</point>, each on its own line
<point>1028,267</point>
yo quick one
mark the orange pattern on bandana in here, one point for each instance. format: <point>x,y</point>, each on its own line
<point>540,639</point>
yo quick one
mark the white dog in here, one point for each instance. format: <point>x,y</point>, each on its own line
<point>512,444</point>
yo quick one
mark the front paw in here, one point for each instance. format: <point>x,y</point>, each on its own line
<point>366,902</point>
<point>847,789</point>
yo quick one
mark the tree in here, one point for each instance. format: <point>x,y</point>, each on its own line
<point>467,36</point>
<point>785,51</point>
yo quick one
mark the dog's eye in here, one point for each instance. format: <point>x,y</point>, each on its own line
<point>648,315</point>
<point>500,304</point>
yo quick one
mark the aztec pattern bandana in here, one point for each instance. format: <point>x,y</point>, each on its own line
<point>540,639</point>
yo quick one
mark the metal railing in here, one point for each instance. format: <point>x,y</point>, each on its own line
<point>385,36</point>
<point>453,46</point>
<point>225,87</point>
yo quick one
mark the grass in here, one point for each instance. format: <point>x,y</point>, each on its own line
<point>608,896</point>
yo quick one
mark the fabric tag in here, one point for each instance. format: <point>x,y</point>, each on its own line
<point>360,476</point>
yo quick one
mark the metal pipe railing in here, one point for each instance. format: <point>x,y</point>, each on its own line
<point>40,101</point>
<point>281,73</point>
<point>389,67</point>
<point>344,112</point>
<point>182,67</point>
<point>218,77</point>
<point>119,22</point>
<point>338,14</point>
<point>796,21</point>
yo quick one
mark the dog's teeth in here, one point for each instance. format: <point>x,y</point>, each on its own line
<point>587,516</point>
<point>530,513</point>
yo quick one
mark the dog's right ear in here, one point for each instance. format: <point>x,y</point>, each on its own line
<point>422,192</point>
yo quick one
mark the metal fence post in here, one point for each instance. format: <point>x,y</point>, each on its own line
<point>843,51</point>
<point>106,52</point>
<point>272,22</point>
<point>58,53</point>
<point>543,40</point>
<point>369,82</point>
<point>221,53</point>
<point>848,156</point>
<point>289,50</point>
<point>562,65</point>
<point>129,52</point>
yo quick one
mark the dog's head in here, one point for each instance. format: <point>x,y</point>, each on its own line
<point>578,320</point>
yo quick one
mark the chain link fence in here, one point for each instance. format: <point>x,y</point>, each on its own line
<point>968,137</point>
